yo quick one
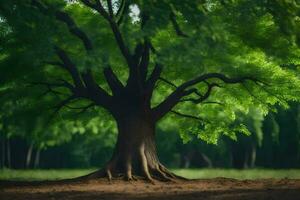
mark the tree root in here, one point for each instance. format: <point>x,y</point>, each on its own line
<point>149,169</point>
<point>150,174</point>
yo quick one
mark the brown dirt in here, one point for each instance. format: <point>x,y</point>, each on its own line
<point>208,189</point>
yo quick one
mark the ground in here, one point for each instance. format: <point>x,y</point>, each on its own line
<point>214,188</point>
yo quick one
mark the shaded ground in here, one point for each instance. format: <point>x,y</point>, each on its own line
<point>217,189</point>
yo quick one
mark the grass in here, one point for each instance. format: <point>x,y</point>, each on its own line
<point>239,174</point>
<point>42,174</point>
<point>49,174</point>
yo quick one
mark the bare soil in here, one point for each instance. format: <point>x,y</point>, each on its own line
<point>208,189</point>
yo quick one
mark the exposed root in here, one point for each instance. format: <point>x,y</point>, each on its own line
<point>158,173</point>
<point>109,175</point>
<point>145,165</point>
<point>149,170</point>
<point>129,176</point>
<point>174,176</point>
<point>163,175</point>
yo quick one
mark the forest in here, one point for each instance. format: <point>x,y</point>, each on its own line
<point>274,143</point>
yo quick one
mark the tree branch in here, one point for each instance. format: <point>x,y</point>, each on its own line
<point>94,92</point>
<point>175,97</point>
<point>114,83</point>
<point>65,18</point>
<point>87,87</point>
<point>144,63</point>
<point>51,87</point>
<point>187,115</point>
<point>83,109</point>
<point>168,82</point>
<point>176,26</point>
<point>117,34</point>
<point>206,95</point>
<point>150,84</point>
<point>110,9</point>
<point>69,66</point>
<point>74,29</point>
<point>59,106</point>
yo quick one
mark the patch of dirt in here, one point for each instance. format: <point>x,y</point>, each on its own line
<point>208,189</point>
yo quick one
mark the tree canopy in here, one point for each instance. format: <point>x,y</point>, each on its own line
<point>205,61</point>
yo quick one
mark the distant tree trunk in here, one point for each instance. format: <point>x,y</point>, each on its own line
<point>186,158</point>
<point>8,151</point>
<point>253,156</point>
<point>29,155</point>
<point>37,159</point>
<point>246,160</point>
<point>3,153</point>
<point>186,161</point>
<point>207,160</point>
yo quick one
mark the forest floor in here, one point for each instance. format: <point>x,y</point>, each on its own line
<point>208,189</point>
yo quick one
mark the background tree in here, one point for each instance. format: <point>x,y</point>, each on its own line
<point>140,60</point>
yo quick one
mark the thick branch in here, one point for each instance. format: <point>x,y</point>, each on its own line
<point>114,83</point>
<point>110,9</point>
<point>205,96</point>
<point>117,34</point>
<point>69,66</point>
<point>94,92</point>
<point>153,77</point>
<point>144,63</point>
<point>175,97</point>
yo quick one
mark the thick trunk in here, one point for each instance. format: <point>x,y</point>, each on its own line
<point>135,145</point>
<point>135,152</point>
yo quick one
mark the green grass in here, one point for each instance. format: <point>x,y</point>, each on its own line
<point>8,174</point>
<point>239,174</point>
<point>42,174</point>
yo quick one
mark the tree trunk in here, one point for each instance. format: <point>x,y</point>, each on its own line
<point>207,160</point>
<point>37,159</point>
<point>253,156</point>
<point>3,152</point>
<point>135,152</point>
<point>8,154</point>
<point>29,155</point>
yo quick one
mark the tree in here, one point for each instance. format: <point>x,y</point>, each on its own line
<point>140,60</point>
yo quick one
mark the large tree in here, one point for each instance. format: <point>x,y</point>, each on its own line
<point>203,61</point>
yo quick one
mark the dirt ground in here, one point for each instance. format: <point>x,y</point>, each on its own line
<point>208,189</point>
